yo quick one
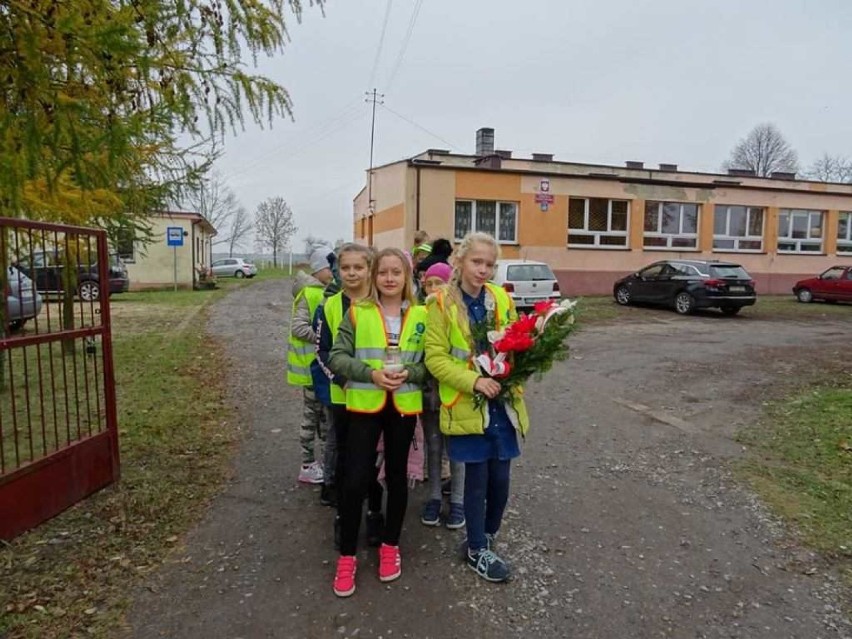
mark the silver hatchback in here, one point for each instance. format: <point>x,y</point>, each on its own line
<point>23,302</point>
<point>527,283</point>
<point>233,267</point>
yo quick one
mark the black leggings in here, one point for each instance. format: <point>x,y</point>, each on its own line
<point>340,423</point>
<point>359,471</point>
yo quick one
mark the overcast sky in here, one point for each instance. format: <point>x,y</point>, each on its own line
<point>590,81</point>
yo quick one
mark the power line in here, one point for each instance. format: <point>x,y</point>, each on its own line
<point>405,41</point>
<point>381,43</point>
<point>348,113</point>
<point>422,128</point>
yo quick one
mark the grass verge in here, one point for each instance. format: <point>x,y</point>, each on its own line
<point>800,463</point>
<point>73,575</point>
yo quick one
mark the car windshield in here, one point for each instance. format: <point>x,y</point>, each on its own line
<point>529,273</point>
<point>729,272</point>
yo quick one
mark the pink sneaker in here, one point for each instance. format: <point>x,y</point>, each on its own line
<point>390,563</point>
<point>344,579</point>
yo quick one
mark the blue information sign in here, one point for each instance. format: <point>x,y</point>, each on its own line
<point>174,236</point>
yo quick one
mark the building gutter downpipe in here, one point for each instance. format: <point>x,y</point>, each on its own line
<point>417,202</point>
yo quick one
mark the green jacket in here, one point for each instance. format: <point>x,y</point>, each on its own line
<point>342,361</point>
<point>462,417</point>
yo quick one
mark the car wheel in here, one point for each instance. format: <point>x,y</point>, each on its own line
<point>684,303</point>
<point>804,295</point>
<point>622,295</point>
<point>731,310</point>
<point>16,325</point>
<point>89,291</point>
<point>239,275</point>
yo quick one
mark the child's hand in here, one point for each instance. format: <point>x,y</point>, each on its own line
<point>487,386</point>
<point>388,381</point>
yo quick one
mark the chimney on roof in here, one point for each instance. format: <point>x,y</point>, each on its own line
<point>632,164</point>
<point>485,142</point>
<point>668,167</point>
<point>542,157</point>
<point>783,175</point>
<point>742,172</point>
<point>504,155</point>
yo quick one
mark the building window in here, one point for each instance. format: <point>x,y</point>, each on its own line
<point>671,225</point>
<point>738,228</point>
<point>799,231</point>
<point>125,245</point>
<point>598,222</point>
<point>499,219</point>
<point>844,234</point>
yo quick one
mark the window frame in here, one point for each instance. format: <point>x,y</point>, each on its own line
<point>498,212</point>
<point>727,237</point>
<point>789,239</point>
<point>131,238</point>
<point>670,236</point>
<point>844,244</point>
<point>597,235</point>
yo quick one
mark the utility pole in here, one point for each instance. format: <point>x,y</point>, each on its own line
<point>376,98</point>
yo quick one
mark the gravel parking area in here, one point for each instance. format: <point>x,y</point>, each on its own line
<point>624,519</point>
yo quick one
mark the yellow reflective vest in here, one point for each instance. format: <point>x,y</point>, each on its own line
<point>333,309</point>
<point>459,414</point>
<point>371,343</point>
<point>301,354</point>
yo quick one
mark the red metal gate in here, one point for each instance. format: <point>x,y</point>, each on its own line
<point>58,430</point>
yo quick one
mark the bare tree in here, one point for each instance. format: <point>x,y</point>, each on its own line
<point>274,225</point>
<point>312,242</point>
<point>241,226</point>
<point>764,151</point>
<point>831,168</point>
<point>217,203</point>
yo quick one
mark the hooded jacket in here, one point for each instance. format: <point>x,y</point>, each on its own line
<point>301,327</point>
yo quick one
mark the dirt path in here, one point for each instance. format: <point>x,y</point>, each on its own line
<point>623,520</point>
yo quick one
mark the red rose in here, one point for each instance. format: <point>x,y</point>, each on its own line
<point>541,308</point>
<point>514,342</point>
<point>524,326</point>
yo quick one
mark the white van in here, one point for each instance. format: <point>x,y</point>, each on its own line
<point>527,282</point>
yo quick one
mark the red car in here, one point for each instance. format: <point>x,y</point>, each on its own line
<point>834,285</point>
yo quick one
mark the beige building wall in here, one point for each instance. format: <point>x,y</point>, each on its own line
<point>153,265</point>
<point>401,198</point>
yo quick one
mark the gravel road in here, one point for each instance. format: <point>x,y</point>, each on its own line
<point>623,522</point>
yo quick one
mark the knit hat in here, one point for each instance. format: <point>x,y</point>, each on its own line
<point>319,259</point>
<point>422,248</point>
<point>439,270</point>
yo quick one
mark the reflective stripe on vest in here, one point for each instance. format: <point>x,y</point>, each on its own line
<point>333,316</point>
<point>370,346</point>
<point>460,343</point>
<point>300,353</point>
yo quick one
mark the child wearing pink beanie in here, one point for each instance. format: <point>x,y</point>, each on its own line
<point>436,276</point>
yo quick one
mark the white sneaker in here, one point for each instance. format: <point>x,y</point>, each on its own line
<point>311,473</point>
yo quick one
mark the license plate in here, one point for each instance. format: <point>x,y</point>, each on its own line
<point>737,289</point>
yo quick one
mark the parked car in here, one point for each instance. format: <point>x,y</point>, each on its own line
<point>527,282</point>
<point>833,285</point>
<point>46,269</point>
<point>687,285</point>
<point>233,267</point>
<point>23,301</point>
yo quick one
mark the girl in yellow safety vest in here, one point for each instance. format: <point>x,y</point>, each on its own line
<point>354,268</point>
<point>483,436</point>
<point>379,352</point>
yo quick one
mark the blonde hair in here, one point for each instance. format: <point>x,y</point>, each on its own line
<point>407,287</point>
<point>352,247</point>
<point>453,290</point>
<point>420,237</point>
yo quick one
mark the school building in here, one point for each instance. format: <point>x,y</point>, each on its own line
<point>595,223</point>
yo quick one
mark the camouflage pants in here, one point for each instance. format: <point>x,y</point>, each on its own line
<point>314,424</point>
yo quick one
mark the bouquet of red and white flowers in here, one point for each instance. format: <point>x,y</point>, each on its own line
<point>528,347</point>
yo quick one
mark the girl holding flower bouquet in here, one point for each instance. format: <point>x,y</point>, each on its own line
<point>482,430</point>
